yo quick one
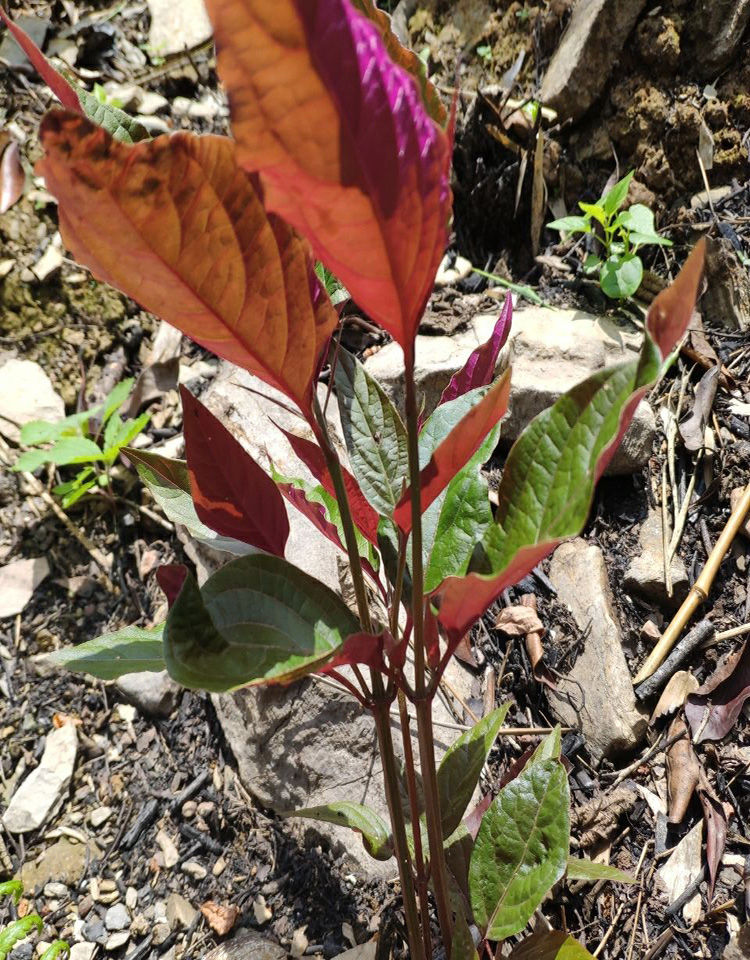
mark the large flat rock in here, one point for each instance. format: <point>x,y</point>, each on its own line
<point>550,352</point>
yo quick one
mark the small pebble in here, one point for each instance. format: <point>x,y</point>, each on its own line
<point>206,808</point>
<point>189,808</point>
<point>194,869</point>
<point>55,890</point>
<point>117,940</point>
<point>131,898</point>
<point>160,931</point>
<point>96,931</point>
<point>82,951</point>
<point>84,905</point>
<point>140,925</point>
<point>117,917</point>
<point>100,816</point>
<point>219,867</point>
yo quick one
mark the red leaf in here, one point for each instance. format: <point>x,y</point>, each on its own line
<point>716,815</point>
<point>176,224</point>
<point>457,449</point>
<point>363,515</point>
<point>347,152</point>
<point>365,648</point>
<point>54,80</point>
<point>232,494</point>
<point>479,368</point>
<point>12,177</point>
<point>170,577</point>
<point>713,709</point>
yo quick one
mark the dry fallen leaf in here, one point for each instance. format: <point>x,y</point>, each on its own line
<point>12,177</point>
<point>716,814</point>
<point>692,429</point>
<point>598,818</point>
<point>18,581</point>
<point>519,620</point>
<point>713,709</point>
<point>683,771</point>
<point>220,918</point>
<point>683,866</point>
<point>674,694</point>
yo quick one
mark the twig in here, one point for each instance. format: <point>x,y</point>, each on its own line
<point>734,632</point>
<point>687,894</point>
<point>698,592</point>
<point>605,939</point>
<point>652,750</point>
<point>683,512</point>
<point>699,634</point>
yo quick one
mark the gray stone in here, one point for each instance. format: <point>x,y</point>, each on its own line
<point>177,26</point>
<point>716,29</point>
<point>116,940</point>
<point>597,697</point>
<point>117,917</point>
<point>42,792</point>
<point>550,351</point>
<point>645,572</point>
<point>26,393</point>
<point>155,694</point>
<point>63,861</point>
<point>96,931</point>
<point>581,64</point>
<point>82,951</point>
<point>247,945</point>
<point>180,912</point>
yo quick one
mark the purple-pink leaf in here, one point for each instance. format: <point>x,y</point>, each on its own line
<point>479,369</point>
<point>713,709</point>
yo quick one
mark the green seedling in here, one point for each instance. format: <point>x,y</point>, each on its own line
<point>92,439</point>
<point>622,234</point>
<point>17,930</point>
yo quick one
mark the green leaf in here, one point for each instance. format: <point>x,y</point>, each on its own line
<point>124,435</point>
<point>73,450</point>
<point>18,930</point>
<point>550,747</point>
<point>169,483</point>
<point>461,766</point>
<point>11,888</point>
<point>582,869</point>
<point>54,950</point>
<point>571,224</point>
<point>457,849</point>
<point>643,239</point>
<point>374,433</point>
<point>116,397</point>
<point>116,122</point>
<point>613,200</point>
<point>259,619</point>
<point>111,429</point>
<point>521,849</point>
<point>376,836</point>
<point>31,460</point>
<point>129,650</point>
<point>550,945</point>
<point>592,263</point>
<point>639,218</point>
<point>70,498</point>
<point>595,211</point>
<point>621,276</point>
<point>42,431</point>
<point>462,946</point>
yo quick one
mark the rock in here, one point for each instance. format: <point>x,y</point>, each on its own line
<point>598,698</point>
<point>160,931</point>
<point>96,931</point>
<point>726,301</point>
<point>155,694</point>
<point>247,945</point>
<point>586,54</point>
<point>55,890</point>
<point>82,951</point>
<point>716,30</point>
<point>645,572</point>
<point>99,816</point>
<point>177,26</point>
<point>550,351</point>
<point>116,940</point>
<point>180,912</point>
<point>26,394</point>
<point>18,581</point>
<point>194,869</point>
<point>131,898</point>
<point>117,917</point>
<point>63,861</point>
<point>43,790</point>
<point>738,947</point>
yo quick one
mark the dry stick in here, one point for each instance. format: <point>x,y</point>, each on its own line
<point>652,750</point>
<point>698,592</point>
<point>699,634</point>
<point>683,512</point>
<point>605,939</point>
<point>734,632</point>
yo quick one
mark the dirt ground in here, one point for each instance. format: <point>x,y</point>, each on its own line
<point>86,335</point>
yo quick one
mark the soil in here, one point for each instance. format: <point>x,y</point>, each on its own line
<point>648,119</point>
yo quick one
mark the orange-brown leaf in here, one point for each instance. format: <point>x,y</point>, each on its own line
<point>176,224</point>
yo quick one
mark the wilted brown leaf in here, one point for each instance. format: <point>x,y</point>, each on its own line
<point>713,709</point>
<point>683,771</point>
<point>674,694</point>
<point>598,818</point>
<point>693,428</point>
<point>716,814</point>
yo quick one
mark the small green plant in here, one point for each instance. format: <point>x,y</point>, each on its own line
<point>105,99</point>
<point>92,438</point>
<point>485,52</point>
<point>21,928</point>
<point>333,286</point>
<point>620,269</point>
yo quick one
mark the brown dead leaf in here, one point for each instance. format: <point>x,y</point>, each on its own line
<point>692,429</point>
<point>520,619</point>
<point>713,709</point>
<point>716,815</point>
<point>153,381</point>
<point>220,918</point>
<point>734,498</point>
<point>674,694</point>
<point>598,818</point>
<point>464,653</point>
<point>683,771</point>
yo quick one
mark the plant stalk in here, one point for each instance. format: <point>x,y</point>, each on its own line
<point>381,714</point>
<point>422,700</point>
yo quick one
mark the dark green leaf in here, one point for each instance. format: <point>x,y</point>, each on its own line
<point>613,200</point>
<point>461,766</point>
<point>116,122</point>
<point>621,276</point>
<point>75,495</point>
<point>129,650</point>
<point>259,619</point>
<point>582,869</point>
<point>521,849</point>
<point>374,433</point>
<point>549,748</point>
<point>550,945</point>
<point>376,836</point>
<point>462,947</point>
